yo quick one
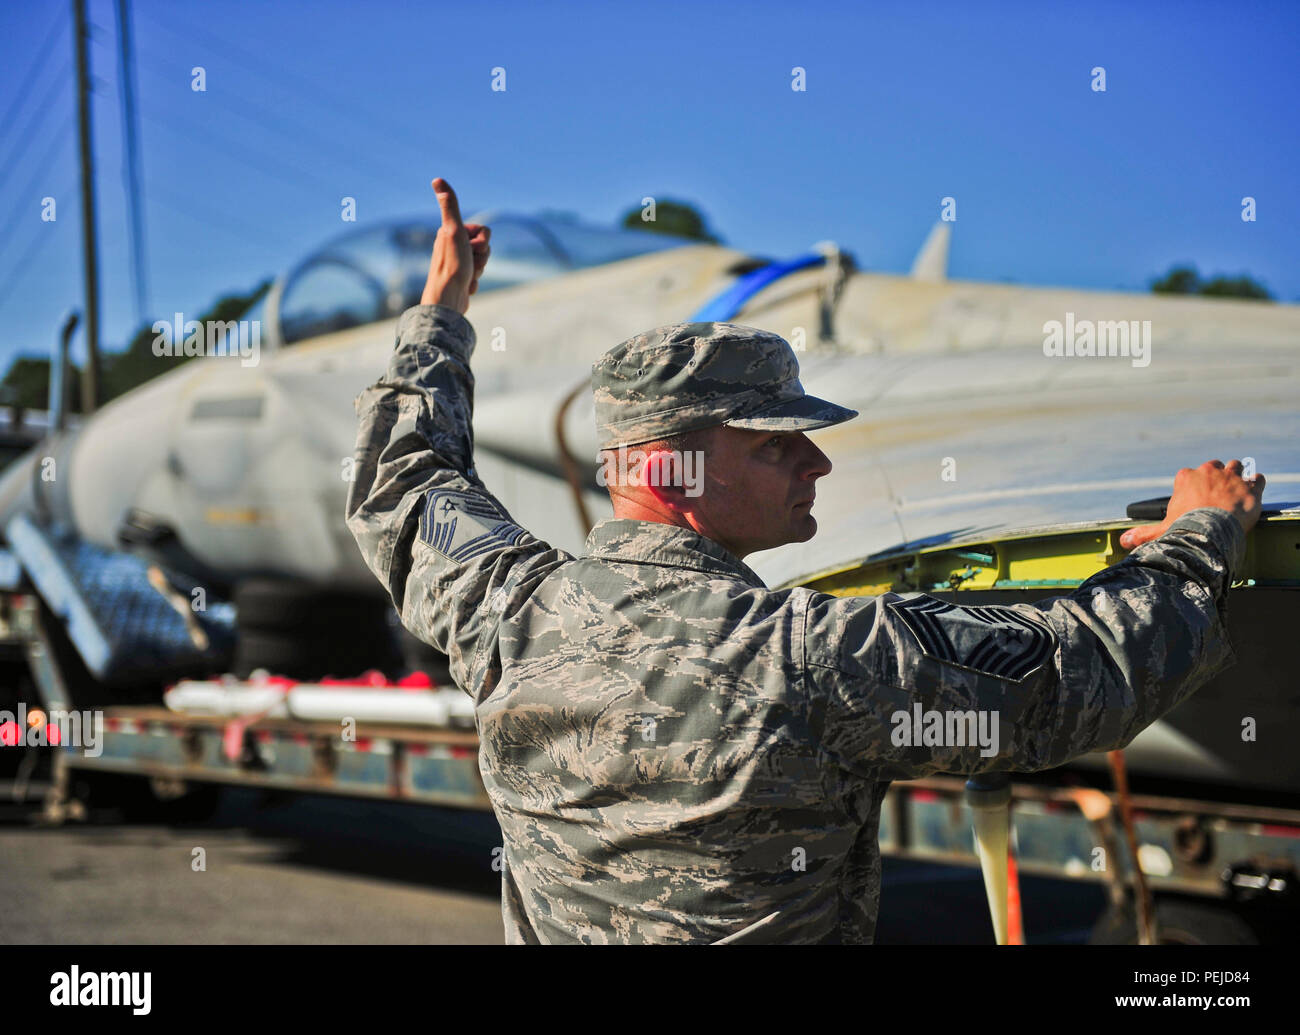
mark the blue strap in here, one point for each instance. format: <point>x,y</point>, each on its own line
<point>726,305</point>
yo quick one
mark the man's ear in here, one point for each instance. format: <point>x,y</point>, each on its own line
<point>661,476</point>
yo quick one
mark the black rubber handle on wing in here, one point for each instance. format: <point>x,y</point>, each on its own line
<point>1148,510</point>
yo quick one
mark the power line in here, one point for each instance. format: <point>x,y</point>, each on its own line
<point>41,170</point>
<point>43,236</point>
<point>206,222</point>
<point>225,98</point>
<point>233,52</point>
<point>212,218</point>
<point>38,114</point>
<point>236,149</point>
<point>401,134</point>
<point>42,53</point>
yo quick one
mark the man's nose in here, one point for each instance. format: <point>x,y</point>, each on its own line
<point>816,464</point>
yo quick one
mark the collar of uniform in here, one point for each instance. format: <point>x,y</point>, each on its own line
<point>652,542</point>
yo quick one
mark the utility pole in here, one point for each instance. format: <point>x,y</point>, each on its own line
<point>131,163</point>
<point>90,381</point>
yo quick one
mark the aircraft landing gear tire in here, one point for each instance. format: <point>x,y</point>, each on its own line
<point>305,632</point>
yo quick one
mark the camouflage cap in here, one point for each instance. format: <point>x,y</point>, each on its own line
<point>688,376</point>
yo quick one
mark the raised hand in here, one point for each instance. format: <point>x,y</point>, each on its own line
<point>460,254</point>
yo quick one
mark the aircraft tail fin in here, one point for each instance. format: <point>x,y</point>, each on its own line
<point>931,261</point>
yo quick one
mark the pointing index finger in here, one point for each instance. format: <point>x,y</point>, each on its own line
<point>448,203</point>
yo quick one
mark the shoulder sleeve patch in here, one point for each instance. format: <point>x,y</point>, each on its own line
<point>462,525</point>
<point>994,640</point>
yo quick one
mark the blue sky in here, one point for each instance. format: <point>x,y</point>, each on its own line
<point>607,102</point>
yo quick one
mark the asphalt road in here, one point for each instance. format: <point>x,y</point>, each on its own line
<point>320,870</point>
<point>297,871</point>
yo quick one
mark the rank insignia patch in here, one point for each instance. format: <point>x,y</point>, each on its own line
<point>997,641</point>
<point>460,525</point>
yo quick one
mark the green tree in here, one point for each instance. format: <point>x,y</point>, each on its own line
<point>27,383</point>
<point>1235,287</point>
<point>1184,280</point>
<point>1180,280</point>
<point>671,217</point>
<point>137,364</point>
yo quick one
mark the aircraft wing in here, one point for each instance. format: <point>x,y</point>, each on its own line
<point>988,439</point>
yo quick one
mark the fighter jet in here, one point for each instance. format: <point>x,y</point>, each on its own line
<point>1005,433</point>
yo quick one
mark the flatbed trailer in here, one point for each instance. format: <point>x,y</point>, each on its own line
<point>1186,844</point>
<point>397,763</point>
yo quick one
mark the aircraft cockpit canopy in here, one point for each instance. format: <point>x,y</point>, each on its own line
<point>374,273</point>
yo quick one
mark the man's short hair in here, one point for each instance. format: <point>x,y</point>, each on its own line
<point>686,442</point>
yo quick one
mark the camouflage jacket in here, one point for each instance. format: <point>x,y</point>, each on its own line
<point>675,752</point>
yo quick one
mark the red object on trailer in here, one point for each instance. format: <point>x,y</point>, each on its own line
<point>1015,923</point>
<point>415,681</point>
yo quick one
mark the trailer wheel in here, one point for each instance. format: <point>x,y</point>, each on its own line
<point>142,799</point>
<point>1178,922</point>
<point>126,796</point>
<point>182,801</point>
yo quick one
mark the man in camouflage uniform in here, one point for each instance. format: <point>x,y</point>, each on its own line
<point>675,752</point>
